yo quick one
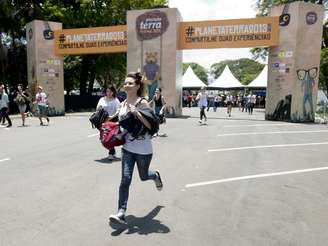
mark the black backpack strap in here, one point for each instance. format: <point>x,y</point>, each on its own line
<point>139,102</point>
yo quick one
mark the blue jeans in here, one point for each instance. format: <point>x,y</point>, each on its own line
<point>128,161</point>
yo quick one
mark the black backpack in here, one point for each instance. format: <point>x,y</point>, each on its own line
<point>98,118</point>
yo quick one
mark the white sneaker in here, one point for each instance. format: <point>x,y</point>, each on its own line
<point>117,219</point>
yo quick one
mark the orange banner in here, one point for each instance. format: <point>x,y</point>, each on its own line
<point>240,33</point>
<point>111,39</point>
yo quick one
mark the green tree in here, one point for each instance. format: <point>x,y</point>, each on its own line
<point>13,16</point>
<point>200,71</point>
<point>323,78</point>
<point>245,70</point>
<point>263,6</point>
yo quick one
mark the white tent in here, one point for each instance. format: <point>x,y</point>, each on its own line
<point>321,98</point>
<point>190,79</point>
<point>226,80</point>
<point>261,80</point>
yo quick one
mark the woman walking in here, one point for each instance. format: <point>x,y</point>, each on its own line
<point>229,101</point>
<point>202,104</point>
<point>111,104</point>
<point>4,105</point>
<point>160,103</point>
<point>135,150</point>
<point>21,100</point>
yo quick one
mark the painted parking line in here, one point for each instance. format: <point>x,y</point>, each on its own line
<point>254,125</point>
<point>6,159</point>
<point>263,175</point>
<point>268,133</point>
<point>266,146</point>
<point>93,135</point>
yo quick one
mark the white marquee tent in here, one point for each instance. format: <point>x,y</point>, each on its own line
<point>322,98</point>
<point>261,80</point>
<point>190,80</point>
<point>226,81</point>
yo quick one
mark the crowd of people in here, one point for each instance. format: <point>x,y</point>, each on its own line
<point>244,101</point>
<point>27,106</point>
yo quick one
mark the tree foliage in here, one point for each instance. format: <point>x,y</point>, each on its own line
<point>263,6</point>
<point>323,78</point>
<point>200,71</point>
<point>245,70</point>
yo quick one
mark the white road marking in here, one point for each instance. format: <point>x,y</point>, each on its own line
<point>255,176</point>
<point>266,146</point>
<point>93,135</point>
<point>283,124</point>
<point>267,133</point>
<point>6,159</point>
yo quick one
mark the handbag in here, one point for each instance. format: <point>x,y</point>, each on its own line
<point>98,118</point>
<point>110,136</point>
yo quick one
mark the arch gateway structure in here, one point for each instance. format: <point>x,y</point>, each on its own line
<point>154,40</point>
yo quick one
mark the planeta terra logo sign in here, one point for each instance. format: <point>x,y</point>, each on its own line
<point>151,25</point>
<point>241,33</point>
<point>95,40</point>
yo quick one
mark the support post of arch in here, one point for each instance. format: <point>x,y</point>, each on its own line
<point>44,68</point>
<point>294,64</point>
<point>152,49</point>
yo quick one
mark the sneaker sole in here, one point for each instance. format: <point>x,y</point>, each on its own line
<point>113,220</point>
<point>159,188</point>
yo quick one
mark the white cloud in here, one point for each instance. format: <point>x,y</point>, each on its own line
<point>193,10</point>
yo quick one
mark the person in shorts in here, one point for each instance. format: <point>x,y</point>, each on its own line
<point>41,100</point>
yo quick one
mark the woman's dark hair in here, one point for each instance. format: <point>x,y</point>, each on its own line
<point>112,89</point>
<point>138,80</point>
<point>160,89</point>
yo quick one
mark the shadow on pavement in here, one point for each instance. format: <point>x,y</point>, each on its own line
<point>231,118</point>
<point>142,225</point>
<point>105,160</point>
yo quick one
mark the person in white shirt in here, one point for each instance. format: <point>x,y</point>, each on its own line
<point>202,104</point>
<point>4,105</point>
<point>229,101</point>
<point>251,99</point>
<point>111,104</point>
<point>41,99</point>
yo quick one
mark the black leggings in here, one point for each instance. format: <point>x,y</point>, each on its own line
<point>202,112</point>
<point>4,114</point>
<point>251,106</point>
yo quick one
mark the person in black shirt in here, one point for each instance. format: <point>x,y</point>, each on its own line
<point>160,103</point>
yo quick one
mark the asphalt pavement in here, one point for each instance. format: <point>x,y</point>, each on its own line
<point>235,181</point>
